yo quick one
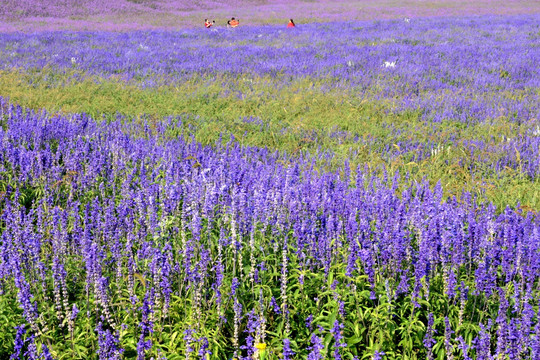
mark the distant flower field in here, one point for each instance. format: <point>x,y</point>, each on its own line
<point>126,15</point>
<point>353,190</point>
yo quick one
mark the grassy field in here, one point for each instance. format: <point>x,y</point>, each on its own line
<point>297,118</point>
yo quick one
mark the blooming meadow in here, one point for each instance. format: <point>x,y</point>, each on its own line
<point>126,15</point>
<point>350,190</point>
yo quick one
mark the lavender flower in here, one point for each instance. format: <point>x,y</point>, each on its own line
<point>288,354</point>
<point>108,343</point>
<point>337,333</point>
<point>316,348</point>
<point>19,343</point>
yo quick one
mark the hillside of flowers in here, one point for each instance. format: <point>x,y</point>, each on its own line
<point>347,190</point>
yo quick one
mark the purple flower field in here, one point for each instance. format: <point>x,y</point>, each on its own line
<point>467,69</point>
<point>147,235</point>
<point>126,236</point>
<point>128,15</point>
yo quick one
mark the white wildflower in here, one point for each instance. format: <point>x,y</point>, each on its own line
<point>436,150</point>
<point>350,63</point>
<point>389,64</point>
<point>73,60</point>
<point>407,20</point>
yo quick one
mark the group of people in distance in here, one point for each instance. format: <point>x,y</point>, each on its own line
<point>235,22</point>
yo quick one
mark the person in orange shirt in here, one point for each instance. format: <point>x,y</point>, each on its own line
<point>291,23</point>
<point>233,23</point>
<point>208,24</point>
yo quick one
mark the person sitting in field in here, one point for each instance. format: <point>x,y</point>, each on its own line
<point>291,23</point>
<point>233,23</point>
<point>208,24</point>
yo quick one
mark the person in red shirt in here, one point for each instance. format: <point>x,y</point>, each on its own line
<point>291,23</point>
<point>233,23</point>
<point>208,24</point>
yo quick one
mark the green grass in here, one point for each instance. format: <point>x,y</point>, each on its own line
<point>295,118</point>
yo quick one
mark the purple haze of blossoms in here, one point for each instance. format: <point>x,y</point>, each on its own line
<point>32,15</point>
<point>477,75</point>
<point>152,177</point>
<point>469,77</point>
